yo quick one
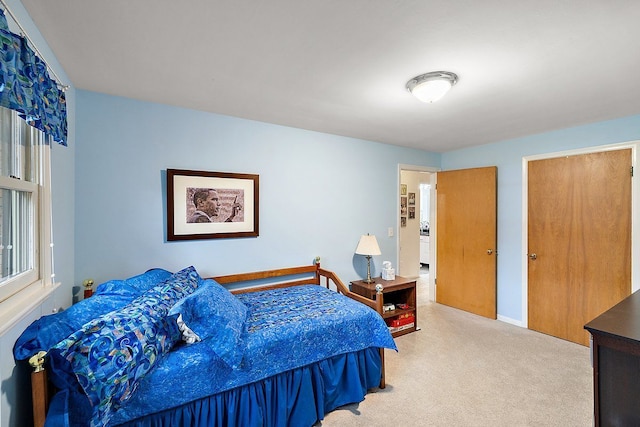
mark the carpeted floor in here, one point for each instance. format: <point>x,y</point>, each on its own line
<point>464,370</point>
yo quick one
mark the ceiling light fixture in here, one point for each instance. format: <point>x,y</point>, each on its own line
<point>432,86</point>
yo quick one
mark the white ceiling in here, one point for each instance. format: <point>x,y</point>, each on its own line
<point>340,66</point>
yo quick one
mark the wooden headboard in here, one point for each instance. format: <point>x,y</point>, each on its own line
<point>285,277</point>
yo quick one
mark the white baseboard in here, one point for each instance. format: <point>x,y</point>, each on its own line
<point>510,320</point>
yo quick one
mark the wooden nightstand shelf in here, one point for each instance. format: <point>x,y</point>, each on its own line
<point>398,291</point>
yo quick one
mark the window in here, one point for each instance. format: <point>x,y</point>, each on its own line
<point>24,218</point>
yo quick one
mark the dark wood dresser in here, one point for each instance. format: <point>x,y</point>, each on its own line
<point>616,364</point>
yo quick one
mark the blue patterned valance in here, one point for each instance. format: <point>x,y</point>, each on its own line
<point>25,86</point>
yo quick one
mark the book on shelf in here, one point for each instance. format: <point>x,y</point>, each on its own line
<point>401,320</point>
<point>394,329</point>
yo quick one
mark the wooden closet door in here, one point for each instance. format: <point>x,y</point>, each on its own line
<point>579,240</point>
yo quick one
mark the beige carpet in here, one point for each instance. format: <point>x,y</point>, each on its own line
<point>464,370</point>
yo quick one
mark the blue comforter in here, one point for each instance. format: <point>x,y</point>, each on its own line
<point>285,329</point>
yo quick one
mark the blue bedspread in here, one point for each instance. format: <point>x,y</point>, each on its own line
<point>286,329</point>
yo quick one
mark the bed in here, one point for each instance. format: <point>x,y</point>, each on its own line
<point>272,348</point>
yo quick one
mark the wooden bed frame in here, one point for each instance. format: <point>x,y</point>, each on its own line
<point>41,391</point>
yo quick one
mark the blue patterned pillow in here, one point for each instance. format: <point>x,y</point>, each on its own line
<point>48,330</point>
<point>109,355</point>
<point>135,285</point>
<point>215,314</point>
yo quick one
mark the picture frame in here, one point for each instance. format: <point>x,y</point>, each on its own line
<point>412,199</point>
<point>403,189</point>
<point>403,205</point>
<point>211,205</point>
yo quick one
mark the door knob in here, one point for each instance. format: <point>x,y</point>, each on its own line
<point>489,251</point>
<point>533,257</point>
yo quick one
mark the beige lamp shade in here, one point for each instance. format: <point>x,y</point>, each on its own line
<point>368,245</point>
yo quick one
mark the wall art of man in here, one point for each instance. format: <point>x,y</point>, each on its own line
<point>207,207</point>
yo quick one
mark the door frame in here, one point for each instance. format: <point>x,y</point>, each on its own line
<point>432,220</point>
<point>635,211</point>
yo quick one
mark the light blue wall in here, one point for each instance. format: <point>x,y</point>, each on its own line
<point>318,192</point>
<point>63,212</point>
<point>507,156</point>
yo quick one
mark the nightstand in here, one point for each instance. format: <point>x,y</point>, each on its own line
<point>401,291</point>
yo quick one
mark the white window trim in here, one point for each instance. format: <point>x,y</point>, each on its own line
<point>18,306</point>
<point>17,283</point>
<point>33,291</point>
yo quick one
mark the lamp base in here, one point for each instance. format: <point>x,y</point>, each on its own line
<point>369,279</point>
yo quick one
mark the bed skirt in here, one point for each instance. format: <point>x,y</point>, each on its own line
<point>300,397</point>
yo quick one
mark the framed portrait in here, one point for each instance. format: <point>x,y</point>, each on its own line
<point>403,205</point>
<point>211,205</point>
<point>403,189</point>
<point>412,198</point>
<point>403,221</point>
<point>412,212</point>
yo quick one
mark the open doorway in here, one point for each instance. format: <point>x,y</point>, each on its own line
<point>425,228</point>
<point>416,235</point>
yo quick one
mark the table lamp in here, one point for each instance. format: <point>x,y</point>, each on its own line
<point>368,246</point>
